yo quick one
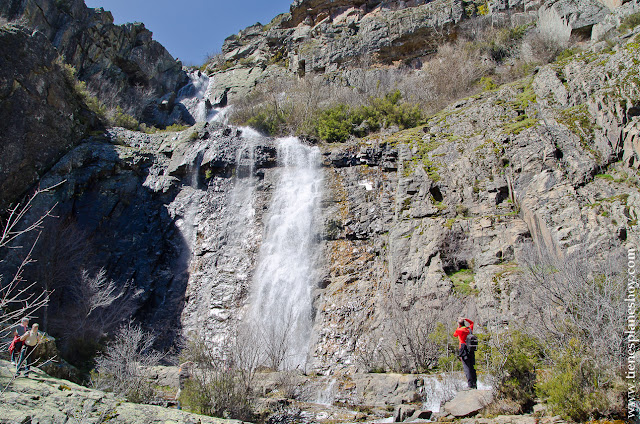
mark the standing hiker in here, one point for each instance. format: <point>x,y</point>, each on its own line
<point>16,344</point>
<point>30,339</point>
<point>466,354</point>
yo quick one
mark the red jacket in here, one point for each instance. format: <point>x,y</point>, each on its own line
<point>16,342</point>
<point>462,332</point>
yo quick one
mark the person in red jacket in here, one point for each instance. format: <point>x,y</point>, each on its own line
<point>16,345</point>
<point>467,357</point>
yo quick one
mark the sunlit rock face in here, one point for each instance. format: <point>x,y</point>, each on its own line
<point>219,226</point>
<point>120,63</point>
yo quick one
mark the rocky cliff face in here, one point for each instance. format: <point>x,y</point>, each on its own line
<point>41,115</point>
<point>138,201</point>
<point>121,63</point>
<point>331,37</point>
<point>552,159</point>
<point>549,159</point>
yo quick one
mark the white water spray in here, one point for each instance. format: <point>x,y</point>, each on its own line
<point>281,300</point>
<point>242,199</point>
<point>195,97</point>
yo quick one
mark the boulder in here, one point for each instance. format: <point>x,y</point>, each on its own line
<point>402,412</point>
<point>468,403</point>
<point>421,415</point>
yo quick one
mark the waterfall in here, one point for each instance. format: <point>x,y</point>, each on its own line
<point>196,98</point>
<point>225,247</point>
<point>189,222</point>
<point>281,300</point>
<point>241,201</point>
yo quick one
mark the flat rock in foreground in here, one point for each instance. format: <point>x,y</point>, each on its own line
<point>40,398</point>
<point>468,403</point>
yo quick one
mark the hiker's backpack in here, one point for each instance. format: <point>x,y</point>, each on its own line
<point>472,342</point>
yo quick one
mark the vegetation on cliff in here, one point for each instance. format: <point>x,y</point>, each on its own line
<point>494,174</point>
<point>333,107</point>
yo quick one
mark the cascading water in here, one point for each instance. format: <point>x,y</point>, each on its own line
<point>281,300</point>
<point>195,97</point>
<point>224,245</point>
<point>242,199</point>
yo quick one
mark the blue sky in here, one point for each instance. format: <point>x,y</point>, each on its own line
<point>191,29</point>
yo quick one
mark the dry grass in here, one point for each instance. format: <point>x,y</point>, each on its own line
<point>500,54</point>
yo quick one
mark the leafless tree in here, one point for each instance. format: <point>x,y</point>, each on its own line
<point>246,352</point>
<point>411,338</point>
<point>120,367</point>
<point>19,298</point>
<point>414,332</point>
<point>290,384</point>
<point>63,249</point>
<point>276,339</point>
<point>454,71</point>
<point>577,296</point>
<point>94,306</point>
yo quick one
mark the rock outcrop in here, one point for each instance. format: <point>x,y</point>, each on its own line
<point>468,403</point>
<point>406,213</point>
<point>41,398</point>
<point>121,63</point>
<point>41,115</point>
<point>330,37</point>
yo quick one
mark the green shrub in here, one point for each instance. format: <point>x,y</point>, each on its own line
<point>567,53</point>
<point>335,124</point>
<point>268,120</point>
<point>110,116</point>
<point>487,84</point>
<point>388,110</point>
<point>120,119</point>
<point>512,360</point>
<point>462,283</point>
<point>572,387</point>
<point>450,363</point>
<point>441,336</point>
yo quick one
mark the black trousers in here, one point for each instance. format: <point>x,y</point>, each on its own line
<point>26,358</point>
<point>469,366</point>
